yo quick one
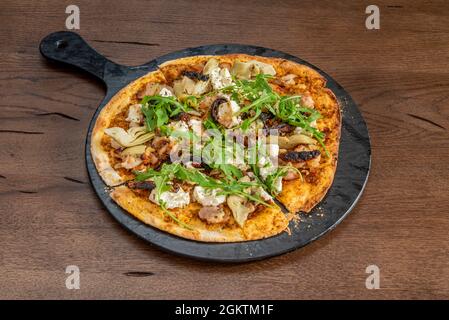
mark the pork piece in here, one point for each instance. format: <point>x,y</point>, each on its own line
<point>291,175</point>
<point>162,147</point>
<point>212,214</point>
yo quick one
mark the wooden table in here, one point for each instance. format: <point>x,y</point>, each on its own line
<point>398,75</point>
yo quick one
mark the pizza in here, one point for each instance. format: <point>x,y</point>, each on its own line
<point>210,148</point>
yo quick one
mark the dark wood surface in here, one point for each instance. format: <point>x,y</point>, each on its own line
<point>398,75</point>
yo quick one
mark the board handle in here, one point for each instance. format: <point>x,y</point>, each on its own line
<point>69,47</point>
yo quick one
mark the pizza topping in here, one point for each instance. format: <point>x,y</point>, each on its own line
<point>263,194</point>
<point>240,208</point>
<point>247,101</point>
<point>269,172</point>
<point>152,89</point>
<point>210,65</point>
<point>141,185</point>
<point>195,75</point>
<point>161,148</point>
<point>224,112</point>
<point>214,107</point>
<point>282,128</point>
<point>266,167</point>
<point>228,186</point>
<point>297,156</point>
<point>165,92</point>
<point>273,182</point>
<point>136,150</point>
<point>135,115</point>
<point>159,110</point>
<point>130,161</point>
<point>293,140</point>
<point>192,165</point>
<point>247,70</point>
<point>178,127</point>
<point>133,137</point>
<point>220,78</point>
<point>178,199</point>
<point>208,197</point>
<point>257,190</point>
<point>187,86</point>
<point>115,145</point>
<point>212,214</point>
<point>150,157</point>
<point>149,90</point>
<point>196,126</point>
<point>307,101</point>
<point>289,79</point>
<point>291,175</point>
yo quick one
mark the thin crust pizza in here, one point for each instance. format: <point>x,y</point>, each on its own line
<point>202,146</point>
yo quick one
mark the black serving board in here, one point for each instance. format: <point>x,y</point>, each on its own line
<point>350,179</point>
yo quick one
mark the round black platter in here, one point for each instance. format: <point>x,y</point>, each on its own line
<point>350,179</point>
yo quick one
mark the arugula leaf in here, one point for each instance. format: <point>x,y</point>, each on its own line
<point>210,124</point>
<point>161,116</point>
<point>158,110</point>
<point>249,89</point>
<point>170,171</point>
<point>286,108</point>
<point>230,171</point>
<point>281,171</point>
<point>161,179</point>
<point>191,101</point>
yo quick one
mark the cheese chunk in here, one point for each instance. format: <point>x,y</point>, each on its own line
<point>178,199</point>
<point>219,78</point>
<point>208,197</point>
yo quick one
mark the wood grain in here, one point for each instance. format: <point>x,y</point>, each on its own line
<point>398,75</point>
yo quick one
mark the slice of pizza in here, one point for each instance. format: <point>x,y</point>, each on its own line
<point>202,146</point>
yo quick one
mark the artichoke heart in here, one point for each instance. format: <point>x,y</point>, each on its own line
<point>187,86</point>
<point>134,151</point>
<point>210,65</point>
<point>294,140</point>
<point>133,137</point>
<point>247,70</point>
